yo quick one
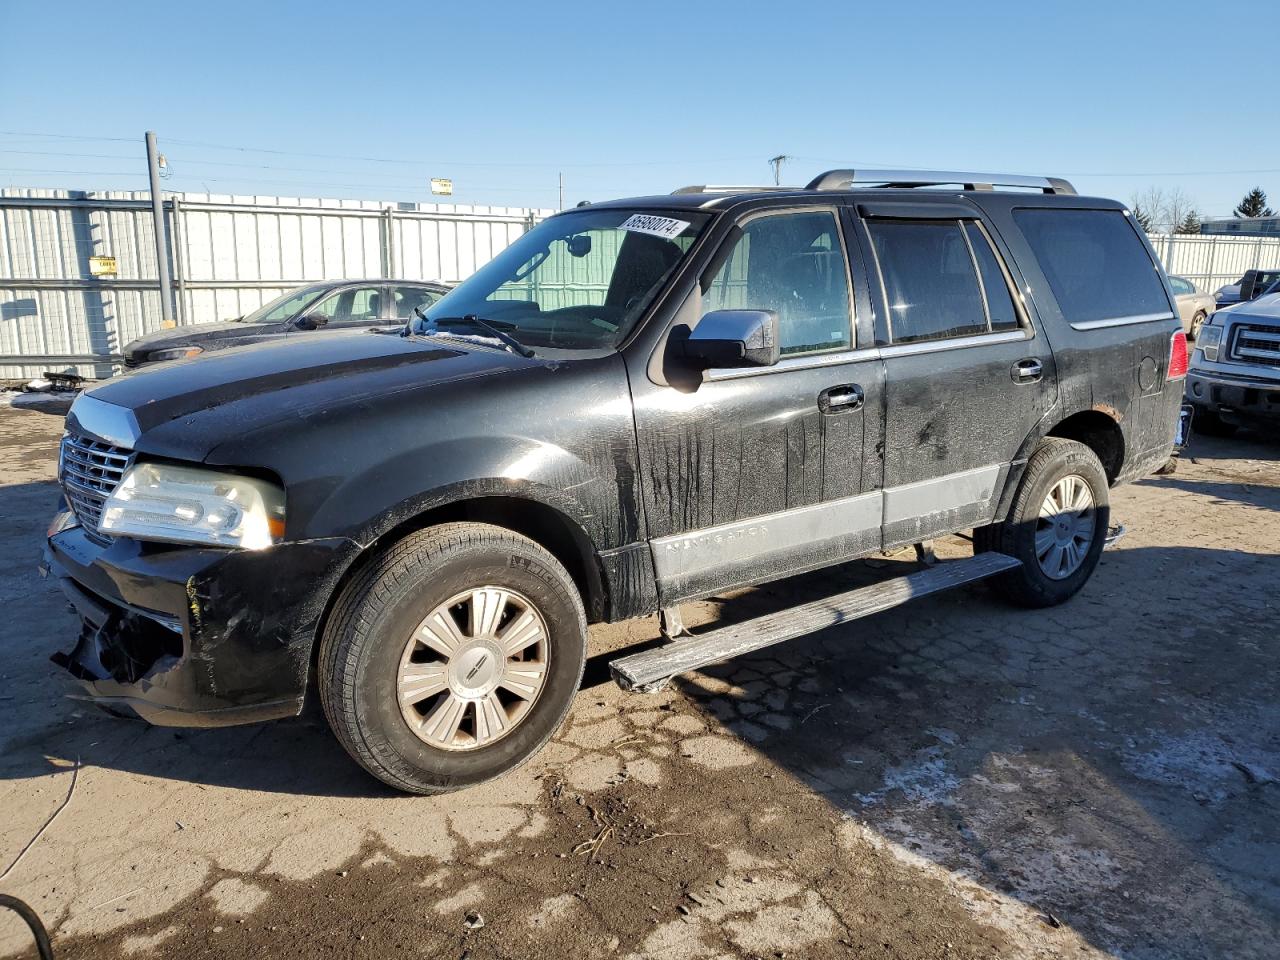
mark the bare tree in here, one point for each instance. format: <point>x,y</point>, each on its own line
<point>1176,207</point>
<point>1159,210</point>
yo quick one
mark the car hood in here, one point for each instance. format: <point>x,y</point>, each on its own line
<point>187,408</point>
<point>198,333</point>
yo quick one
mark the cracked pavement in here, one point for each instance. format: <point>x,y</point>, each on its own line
<point>953,778</point>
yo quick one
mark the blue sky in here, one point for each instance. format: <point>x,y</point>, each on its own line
<point>372,99</point>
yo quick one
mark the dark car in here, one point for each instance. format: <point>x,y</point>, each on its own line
<point>637,404</point>
<point>332,305</point>
<point>1252,285</point>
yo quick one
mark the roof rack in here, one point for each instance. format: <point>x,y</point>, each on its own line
<point>842,179</point>
<point>746,188</point>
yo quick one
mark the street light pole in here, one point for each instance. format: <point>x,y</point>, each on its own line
<point>162,241</point>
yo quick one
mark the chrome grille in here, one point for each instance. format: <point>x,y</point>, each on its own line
<point>1256,343</point>
<point>90,470</point>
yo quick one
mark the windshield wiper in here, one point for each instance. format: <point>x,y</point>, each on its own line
<point>471,320</point>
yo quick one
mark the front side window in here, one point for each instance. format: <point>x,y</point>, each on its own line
<point>350,306</point>
<point>794,265</point>
<point>579,280</point>
<point>408,298</point>
<point>1095,263</point>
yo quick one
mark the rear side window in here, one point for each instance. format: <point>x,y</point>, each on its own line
<point>1095,263</point>
<point>941,280</point>
<point>1000,308</point>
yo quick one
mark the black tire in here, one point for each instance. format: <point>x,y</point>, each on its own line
<point>1196,323</point>
<point>1030,586</point>
<point>383,606</point>
<point>1208,422</point>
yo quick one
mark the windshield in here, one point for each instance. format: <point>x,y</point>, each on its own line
<point>577,281</point>
<point>282,308</point>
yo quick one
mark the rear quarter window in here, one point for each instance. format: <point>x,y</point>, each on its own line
<point>1095,263</point>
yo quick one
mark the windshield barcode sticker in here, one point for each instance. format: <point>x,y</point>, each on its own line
<point>658,226</point>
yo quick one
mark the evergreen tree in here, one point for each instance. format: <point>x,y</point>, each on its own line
<point>1189,224</point>
<point>1145,220</point>
<point>1254,204</point>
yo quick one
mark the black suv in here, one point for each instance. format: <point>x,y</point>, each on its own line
<point>332,305</point>
<point>638,403</point>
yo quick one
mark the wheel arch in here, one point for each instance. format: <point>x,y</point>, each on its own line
<point>546,525</point>
<point>1101,433</point>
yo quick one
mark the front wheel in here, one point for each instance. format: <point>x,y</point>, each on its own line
<point>453,657</point>
<point>1056,525</point>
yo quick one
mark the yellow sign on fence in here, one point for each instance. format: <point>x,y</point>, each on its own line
<point>102,266</point>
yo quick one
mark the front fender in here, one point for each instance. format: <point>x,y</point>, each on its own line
<point>372,502</point>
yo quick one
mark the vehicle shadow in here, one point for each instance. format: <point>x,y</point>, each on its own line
<point>1111,763</point>
<point>1248,444</point>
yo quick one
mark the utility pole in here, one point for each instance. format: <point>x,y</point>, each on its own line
<point>777,162</point>
<point>562,191</point>
<point>162,241</point>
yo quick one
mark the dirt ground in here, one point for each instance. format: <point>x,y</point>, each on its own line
<point>951,779</point>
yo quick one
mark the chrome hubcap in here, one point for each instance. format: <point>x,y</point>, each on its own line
<point>473,668</point>
<point>1066,527</point>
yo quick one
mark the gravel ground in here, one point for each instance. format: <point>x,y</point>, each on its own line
<point>951,779</point>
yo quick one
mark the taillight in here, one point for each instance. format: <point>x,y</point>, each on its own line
<point>1177,357</point>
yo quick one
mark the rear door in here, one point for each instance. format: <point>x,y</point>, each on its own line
<point>750,474</point>
<point>967,375</point>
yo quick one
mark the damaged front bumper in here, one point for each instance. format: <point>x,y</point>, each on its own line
<point>193,636</point>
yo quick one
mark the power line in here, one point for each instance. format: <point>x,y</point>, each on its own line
<point>66,136</point>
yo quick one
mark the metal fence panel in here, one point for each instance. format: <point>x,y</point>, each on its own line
<point>1212,261</point>
<point>229,255</point>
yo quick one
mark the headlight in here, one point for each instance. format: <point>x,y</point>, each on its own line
<point>174,353</point>
<point>156,501</point>
<point>1209,340</point>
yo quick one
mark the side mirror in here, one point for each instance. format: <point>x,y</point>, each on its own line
<point>312,321</point>
<point>1249,286</point>
<point>735,338</point>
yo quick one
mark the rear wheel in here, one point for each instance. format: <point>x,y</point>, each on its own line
<point>1196,323</point>
<point>1056,525</point>
<point>453,657</point>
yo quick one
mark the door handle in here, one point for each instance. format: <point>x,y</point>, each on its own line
<point>845,396</point>
<point>1027,371</point>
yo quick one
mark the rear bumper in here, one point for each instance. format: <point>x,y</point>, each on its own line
<point>194,637</point>
<point>1231,397</point>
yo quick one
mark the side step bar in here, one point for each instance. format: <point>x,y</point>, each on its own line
<point>648,671</point>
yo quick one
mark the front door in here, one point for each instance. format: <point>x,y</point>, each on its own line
<point>757,473</point>
<point>967,376</point>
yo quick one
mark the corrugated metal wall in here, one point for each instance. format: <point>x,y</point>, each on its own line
<point>228,256</point>
<point>1211,261</point>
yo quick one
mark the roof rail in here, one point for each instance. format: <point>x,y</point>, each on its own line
<point>714,188</point>
<point>842,179</point>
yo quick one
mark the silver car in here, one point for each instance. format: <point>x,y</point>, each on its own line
<point>1194,305</point>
